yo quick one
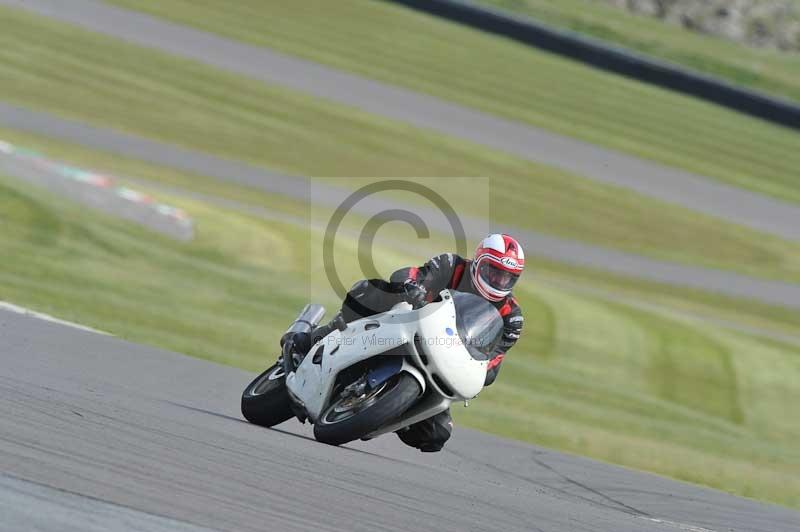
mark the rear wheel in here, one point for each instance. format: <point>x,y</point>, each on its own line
<point>349,418</point>
<point>265,401</point>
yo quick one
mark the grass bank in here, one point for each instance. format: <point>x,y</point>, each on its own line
<point>508,79</point>
<point>770,71</point>
<point>195,186</point>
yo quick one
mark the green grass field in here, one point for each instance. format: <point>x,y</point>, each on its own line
<point>770,71</point>
<point>54,67</point>
<point>655,390</point>
<point>515,81</point>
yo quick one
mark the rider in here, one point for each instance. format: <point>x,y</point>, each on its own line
<point>498,263</point>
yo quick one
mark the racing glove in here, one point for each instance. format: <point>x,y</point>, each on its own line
<point>414,293</point>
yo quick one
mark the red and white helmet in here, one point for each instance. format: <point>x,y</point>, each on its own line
<point>497,265</point>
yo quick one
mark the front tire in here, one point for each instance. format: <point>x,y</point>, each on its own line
<point>348,419</point>
<point>266,401</point>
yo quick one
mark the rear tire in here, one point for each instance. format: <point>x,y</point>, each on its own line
<point>339,424</point>
<point>265,401</point>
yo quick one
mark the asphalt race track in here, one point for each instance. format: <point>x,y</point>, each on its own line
<point>101,434</point>
<point>704,195</point>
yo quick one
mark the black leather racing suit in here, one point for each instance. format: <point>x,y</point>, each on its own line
<point>444,271</point>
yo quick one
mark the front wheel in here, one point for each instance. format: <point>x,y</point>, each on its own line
<point>351,418</point>
<point>266,401</point>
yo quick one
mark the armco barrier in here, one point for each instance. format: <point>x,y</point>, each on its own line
<point>613,59</point>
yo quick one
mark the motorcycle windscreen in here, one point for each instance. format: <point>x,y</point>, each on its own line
<point>479,324</point>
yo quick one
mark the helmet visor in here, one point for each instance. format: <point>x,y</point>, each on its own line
<point>495,277</point>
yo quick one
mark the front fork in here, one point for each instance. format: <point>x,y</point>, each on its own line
<point>287,357</point>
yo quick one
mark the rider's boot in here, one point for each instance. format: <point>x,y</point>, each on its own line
<point>304,341</point>
<point>337,322</point>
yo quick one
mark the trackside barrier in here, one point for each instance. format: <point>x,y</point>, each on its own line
<point>611,58</point>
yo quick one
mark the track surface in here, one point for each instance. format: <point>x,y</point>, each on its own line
<point>523,140</point>
<point>100,434</point>
<point>727,283</point>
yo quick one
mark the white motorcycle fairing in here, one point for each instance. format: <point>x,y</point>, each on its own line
<point>426,339</point>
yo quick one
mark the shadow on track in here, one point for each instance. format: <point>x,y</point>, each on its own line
<point>288,433</point>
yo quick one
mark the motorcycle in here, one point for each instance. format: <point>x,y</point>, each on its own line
<point>381,373</point>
